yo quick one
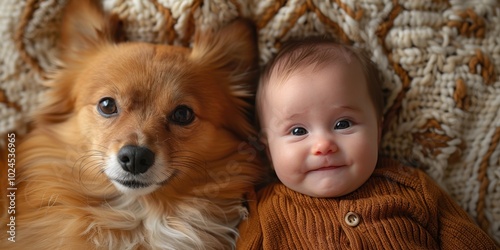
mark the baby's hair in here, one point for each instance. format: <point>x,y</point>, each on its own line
<point>296,55</point>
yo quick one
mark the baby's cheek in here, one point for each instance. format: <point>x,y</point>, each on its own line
<point>278,157</point>
<point>363,146</point>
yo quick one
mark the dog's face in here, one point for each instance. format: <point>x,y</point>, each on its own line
<point>151,116</point>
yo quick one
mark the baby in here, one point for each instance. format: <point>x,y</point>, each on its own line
<point>320,109</point>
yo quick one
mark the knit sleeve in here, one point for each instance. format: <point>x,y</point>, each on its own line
<point>250,232</point>
<point>456,230</point>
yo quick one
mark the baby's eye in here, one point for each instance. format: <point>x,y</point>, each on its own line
<point>343,124</point>
<point>299,131</point>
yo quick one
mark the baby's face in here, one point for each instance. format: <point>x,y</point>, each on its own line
<point>322,130</point>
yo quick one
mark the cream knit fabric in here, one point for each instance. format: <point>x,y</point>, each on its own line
<point>440,61</point>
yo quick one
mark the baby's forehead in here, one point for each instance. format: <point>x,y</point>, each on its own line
<point>278,78</point>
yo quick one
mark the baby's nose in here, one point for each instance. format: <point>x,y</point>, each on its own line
<point>323,147</point>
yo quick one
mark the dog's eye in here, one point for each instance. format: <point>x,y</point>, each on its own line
<point>182,115</point>
<point>107,107</point>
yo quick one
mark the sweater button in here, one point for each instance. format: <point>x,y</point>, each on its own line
<point>352,219</point>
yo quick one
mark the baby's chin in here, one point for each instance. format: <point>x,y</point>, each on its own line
<point>328,192</point>
<point>327,187</point>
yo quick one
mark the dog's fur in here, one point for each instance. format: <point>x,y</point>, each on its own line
<point>72,191</point>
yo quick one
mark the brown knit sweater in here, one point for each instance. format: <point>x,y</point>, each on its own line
<point>397,208</point>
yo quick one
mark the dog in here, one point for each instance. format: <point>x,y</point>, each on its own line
<point>138,145</point>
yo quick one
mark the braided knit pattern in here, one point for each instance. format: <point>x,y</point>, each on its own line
<point>440,61</point>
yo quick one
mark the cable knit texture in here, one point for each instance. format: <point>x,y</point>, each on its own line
<point>397,208</point>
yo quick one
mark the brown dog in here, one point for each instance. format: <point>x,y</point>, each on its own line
<point>138,146</point>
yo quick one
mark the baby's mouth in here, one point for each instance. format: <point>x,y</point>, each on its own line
<point>325,168</point>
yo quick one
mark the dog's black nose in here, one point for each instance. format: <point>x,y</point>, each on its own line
<point>136,160</point>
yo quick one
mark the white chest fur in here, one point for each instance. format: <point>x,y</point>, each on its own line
<point>129,223</point>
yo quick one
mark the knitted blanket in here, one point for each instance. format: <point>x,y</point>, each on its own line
<point>440,61</point>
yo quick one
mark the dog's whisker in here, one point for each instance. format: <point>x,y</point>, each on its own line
<point>90,167</point>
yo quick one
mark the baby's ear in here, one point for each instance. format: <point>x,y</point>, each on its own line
<point>232,50</point>
<point>85,26</point>
<point>264,142</point>
<point>263,138</point>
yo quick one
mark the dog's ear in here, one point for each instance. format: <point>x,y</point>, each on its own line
<point>85,26</point>
<point>231,50</point>
<point>231,53</point>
